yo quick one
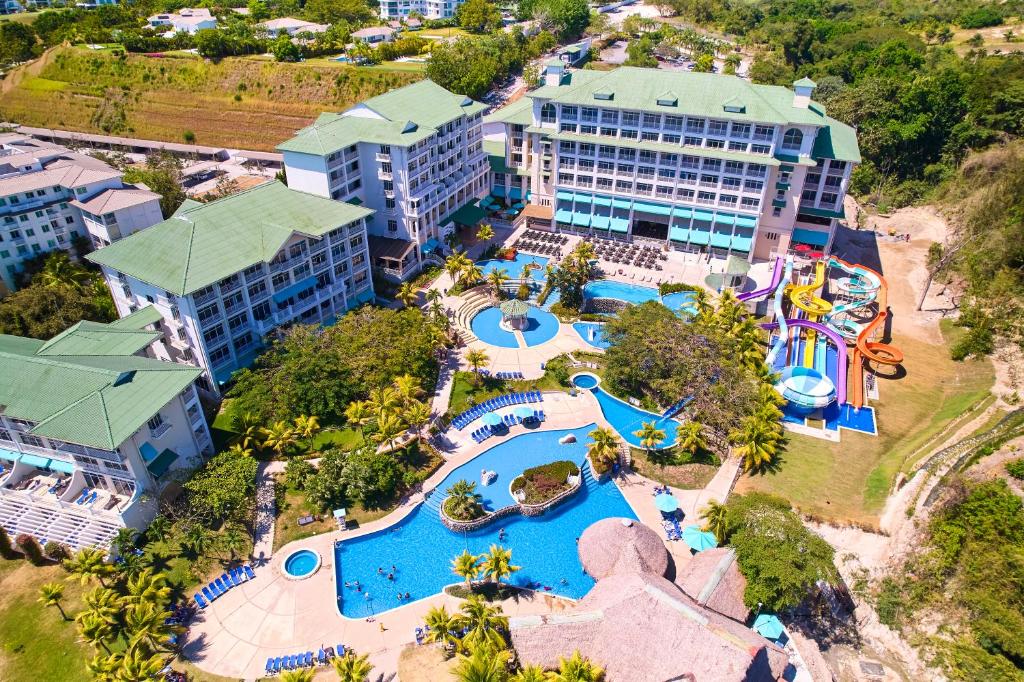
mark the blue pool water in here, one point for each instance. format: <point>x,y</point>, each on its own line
<point>584,381</point>
<point>626,419</point>
<point>421,549</point>
<point>592,333</point>
<point>514,268</point>
<point>301,563</point>
<point>680,302</point>
<point>630,293</point>
<point>542,327</point>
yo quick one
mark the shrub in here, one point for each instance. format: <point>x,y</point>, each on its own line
<point>980,17</point>
<point>6,551</point>
<point>674,287</point>
<point>298,472</point>
<point>977,341</point>
<point>189,136</point>
<point>56,551</point>
<point>1016,468</point>
<point>30,548</point>
<point>546,481</point>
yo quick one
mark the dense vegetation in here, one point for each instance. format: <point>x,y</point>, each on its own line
<point>544,482</point>
<point>969,575</point>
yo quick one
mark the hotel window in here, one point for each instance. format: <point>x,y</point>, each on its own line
<point>829,198</point>
<point>734,167</point>
<point>717,127</point>
<point>609,132</point>
<point>760,149</point>
<point>694,125</point>
<point>705,197</point>
<point>570,112</point>
<point>584,181</point>
<point>644,188</point>
<point>588,130</point>
<point>392,226</point>
<point>792,140</point>
<point>609,116</point>
<point>741,130</point>
<point>771,236</point>
<point>629,134</point>
<point>690,161</point>
<point>833,181</point>
<point>649,137</point>
<point>731,184</point>
<point>688,178</point>
<point>605,167</point>
<point>648,156</point>
<point>750,202</point>
<point>776,212</point>
<point>34,441</point>
<point>758,170</point>
<point>257,290</point>
<point>809,194</point>
<point>669,159</point>
<point>762,132</point>
<point>586,149</point>
<point>691,141</point>
<point>261,311</point>
<point>715,144</point>
<point>627,154</point>
<point>670,139</point>
<point>685,194</point>
<point>589,114</point>
<point>567,147</point>
<point>208,313</point>
<point>630,119</point>
<point>753,186</point>
<point>219,355</point>
<point>666,173</point>
<point>586,165</point>
<point>712,164</point>
<point>625,169</point>
<point>727,199</point>
<point>623,186</point>
<point>735,146</point>
<point>837,165</point>
<point>652,120</point>
<point>565,179</point>
<point>673,123</point>
<point>604,183</point>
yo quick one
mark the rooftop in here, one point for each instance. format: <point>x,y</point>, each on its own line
<point>74,170</point>
<point>204,243</point>
<point>116,199</point>
<point>713,579</point>
<point>86,385</point>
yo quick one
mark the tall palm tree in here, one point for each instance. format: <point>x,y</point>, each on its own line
<point>145,625</point>
<point>471,273</point>
<point>453,266</point>
<point>497,278</point>
<point>604,450</point>
<point>756,443</point>
<point>307,426</point>
<point>716,520</point>
<point>433,295</point>
<point>358,414</point>
<point>247,430</point>
<point>576,669</point>
<point>51,594</point>
<point>437,314</point>
<point>530,673</point>
<point>476,359</point>
<point>384,399</point>
<point>442,627</point>
<point>497,564</point>
<point>103,667</point>
<point>691,437</point>
<point>278,437</point>
<point>198,540</point>
<point>59,271</point>
<point>352,667</point>
<point>484,624</point>
<point>467,567</point>
<point>485,232</point>
<point>416,415</point>
<point>406,294</point>
<point>388,428</point>
<point>88,563</point>
<point>147,587</point>
<point>139,665</point>
<point>650,435</point>
<point>486,664</point>
<point>234,539</point>
<point>103,603</point>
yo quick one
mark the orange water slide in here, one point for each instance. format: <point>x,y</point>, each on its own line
<point>873,351</point>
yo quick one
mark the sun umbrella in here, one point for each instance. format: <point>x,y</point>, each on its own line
<point>491,419</point>
<point>666,503</point>
<point>802,248</point>
<point>768,626</point>
<point>816,254</point>
<point>523,412</point>
<point>699,540</point>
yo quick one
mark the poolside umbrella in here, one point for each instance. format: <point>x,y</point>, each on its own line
<point>491,419</point>
<point>699,540</point>
<point>801,248</point>
<point>666,503</point>
<point>768,626</point>
<point>523,412</point>
<point>816,254</point>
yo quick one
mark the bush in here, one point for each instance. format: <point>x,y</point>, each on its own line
<point>977,341</point>
<point>980,17</point>
<point>546,481</point>
<point>673,287</point>
<point>56,551</point>
<point>30,548</point>
<point>298,472</point>
<point>1016,468</point>
<point>6,551</point>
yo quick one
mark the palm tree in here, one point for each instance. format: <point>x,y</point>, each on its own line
<point>466,566</point>
<point>139,666</point>
<point>147,587</point>
<point>103,668</point>
<point>417,415</point>
<point>278,437</point>
<point>471,273</point>
<point>94,630</point>
<point>650,435</point>
<point>463,500</point>
<point>576,669</point>
<point>485,232</point>
<point>408,388</point>
<point>239,451</point>
<point>453,266</point>
<point>88,563</point>
<point>301,675</point>
<point>531,673</point>
<point>233,540</point>
<point>605,448</point>
<point>406,294</point>
<point>716,520</point>
<point>247,430</point>
<point>497,564</point>
<point>388,427</point>
<point>145,624</point>
<point>51,594</point>
<point>358,414</point>
<point>384,399</point>
<point>433,295</point>
<point>442,627</point>
<point>691,437</point>
<point>486,664</point>
<point>352,667</point>
<point>198,540</point>
<point>102,602</point>
<point>485,624</point>
<point>59,271</point>
<point>124,541</point>
<point>476,359</point>
<point>496,278</point>
<point>307,427</point>
<point>757,443</point>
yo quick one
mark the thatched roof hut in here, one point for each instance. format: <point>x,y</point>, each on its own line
<point>641,627</point>
<point>616,545</point>
<point>713,579</point>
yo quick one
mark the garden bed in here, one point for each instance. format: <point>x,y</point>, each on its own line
<point>545,482</point>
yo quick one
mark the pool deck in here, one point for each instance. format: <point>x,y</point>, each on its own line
<point>276,616</point>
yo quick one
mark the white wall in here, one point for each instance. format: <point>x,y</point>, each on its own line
<point>307,173</point>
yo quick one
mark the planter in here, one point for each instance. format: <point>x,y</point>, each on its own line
<point>458,526</point>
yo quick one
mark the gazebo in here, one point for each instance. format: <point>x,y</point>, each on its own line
<point>616,545</point>
<point>513,313</point>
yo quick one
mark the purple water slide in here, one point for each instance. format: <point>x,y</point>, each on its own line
<point>760,293</point>
<point>833,336</point>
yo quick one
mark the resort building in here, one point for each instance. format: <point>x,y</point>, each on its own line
<point>413,155</point>
<point>224,275</point>
<point>374,34</point>
<point>92,429</point>
<point>428,9</point>
<point>50,197</point>
<point>291,26</point>
<point>186,20</point>
<point>702,162</point>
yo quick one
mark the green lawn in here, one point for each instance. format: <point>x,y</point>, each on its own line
<point>21,17</point>
<point>451,32</point>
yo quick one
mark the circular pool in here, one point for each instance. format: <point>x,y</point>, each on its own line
<point>540,327</point>
<point>585,380</point>
<point>301,563</point>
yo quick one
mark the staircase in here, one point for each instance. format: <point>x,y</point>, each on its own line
<point>472,302</point>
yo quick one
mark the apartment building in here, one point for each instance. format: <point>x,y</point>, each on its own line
<point>51,196</point>
<point>224,275</point>
<point>186,20</point>
<point>414,155</point>
<point>703,162</point>
<point>92,429</point>
<point>428,9</point>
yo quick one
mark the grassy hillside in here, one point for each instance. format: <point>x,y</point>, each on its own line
<point>239,102</point>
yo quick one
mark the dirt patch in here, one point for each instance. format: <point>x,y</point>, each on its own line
<point>683,476</point>
<point>424,664</point>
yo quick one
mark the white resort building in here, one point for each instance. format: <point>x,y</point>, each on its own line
<point>428,9</point>
<point>706,163</point>
<point>413,155</point>
<point>92,429</point>
<point>50,197</point>
<point>224,275</point>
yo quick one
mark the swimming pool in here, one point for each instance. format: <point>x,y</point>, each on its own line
<point>622,291</point>
<point>542,327</point>
<point>681,302</point>
<point>592,333</point>
<point>514,268</point>
<point>421,549</point>
<point>301,563</point>
<point>626,419</point>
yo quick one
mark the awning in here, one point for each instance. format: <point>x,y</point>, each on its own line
<point>471,214</point>
<point>745,221</point>
<point>62,466</point>
<point>580,219</point>
<point>364,296</point>
<point>294,289</point>
<point>431,246</point>
<point>355,201</point>
<point>600,222</point>
<point>159,466</point>
<point>678,234</point>
<point>584,199</point>
<point>703,215</point>
<point>779,203</point>
<point>36,461</point>
<point>563,216</point>
<point>725,219</point>
<point>148,452</point>
<point>564,196</point>
<point>656,209</point>
<point>9,455</point>
<point>620,225</point>
<point>786,168</point>
<point>515,193</point>
<point>682,212</point>
<point>621,203</point>
<point>498,192</point>
<point>741,244</point>
<point>737,266</point>
<point>602,201</point>
<point>821,213</point>
<point>721,240</point>
<point>699,238</point>
<point>811,237</point>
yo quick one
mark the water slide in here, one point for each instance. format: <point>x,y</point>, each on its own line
<point>768,290</point>
<point>803,298</point>
<point>780,295</point>
<point>832,335</point>
<point>862,286</point>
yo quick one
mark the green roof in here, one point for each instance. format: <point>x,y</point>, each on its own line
<point>468,214</point>
<point>495,150</point>
<point>159,466</point>
<point>820,212</point>
<point>86,385</point>
<point>401,117</point>
<point>520,111</point>
<point>805,83</point>
<point>204,244</point>
<point>836,141</point>
<point>140,319</point>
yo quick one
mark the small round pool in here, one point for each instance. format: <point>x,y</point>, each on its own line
<point>585,380</point>
<point>301,564</point>
<point>541,327</point>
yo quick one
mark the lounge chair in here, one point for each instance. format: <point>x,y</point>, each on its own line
<point>309,658</point>
<point>208,593</point>
<point>237,576</point>
<point>227,580</point>
<point>81,498</point>
<point>216,589</point>
<point>92,498</point>
<point>340,650</point>
<point>248,572</point>
<point>321,657</point>
<point>200,600</point>
<point>270,666</point>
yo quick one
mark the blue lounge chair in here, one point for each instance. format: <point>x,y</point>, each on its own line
<point>278,664</point>
<point>210,595</point>
<point>309,658</point>
<point>236,576</point>
<point>224,587</point>
<point>339,650</point>
<point>248,571</point>
<point>81,498</point>
<point>201,600</point>
<point>270,666</point>
<point>212,587</point>
<point>226,579</point>
<point>321,657</point>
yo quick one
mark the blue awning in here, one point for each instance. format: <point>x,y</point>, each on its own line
<point>678,234</point>
<point>741,244</point>
<point>721,240</point>
<point>621,203</point>
<point>9,455</point>
<point>656,209</point>
<point>563,216</point>
<point>812,237</point>
<point>431,246</point>
<point>725,219</point>
<point>364,296</point>
<point>584,199</point>
<point>159,466</point>
<point>498,192</point>
<point>515,193</point>
<point>745,221</point>
<point>682,212</point>
<point>703,215</point>
<point>602,201</point>
<point>580,219</point>
<point>148,452</point>
<point>36,461</point>
<point>564,196</point>
<point>699,238</point>
<point>600,222</point>
<point>620,225</point>
<point>62,466</point>
<point>294,289</point>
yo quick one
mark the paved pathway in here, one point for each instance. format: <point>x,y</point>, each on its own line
<point>266,510</point>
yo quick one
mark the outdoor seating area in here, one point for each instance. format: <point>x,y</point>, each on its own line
<point>634,255</point>
<point>463,420</point>
<point>308,659</point>
<point>509,376</point>
<point>543,243</point>
<point>495,206</point>
<point>506,422</point>
<point>220,586</point>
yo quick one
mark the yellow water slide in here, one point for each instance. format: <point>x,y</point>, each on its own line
<point>803,298</point>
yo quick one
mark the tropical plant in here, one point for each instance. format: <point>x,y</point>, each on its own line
<point>530,673</point>
<point>139,665</point>
<point>301,675</point>
<point>484,625</point>
<point>246,427</point>
<point>59,271</point>
<point>159,528</point>
<point>476,359</point>
<point>691,437</point>
<point>352,667</point>
<point>463,501</point>
<point>650,435</point>
<point>408,388</point>
<point>406,294</point>
<point>454,264</point>
<point>88,563</point>
<point>384,400</point>
<point>147,586</point>
<point>359,414</point>
<point>756,442</point>
<point>95,630</point>
<point>416,415</point>
<point>234,539</point>
<point>145,624</point>
<point>238,450</point>
<point>467,567</point>
<point>497,565</point>
<point>198,540</point>
<point>278,437</point>
<point>51,594</point>
<point>103,667</point>
<point>388,428</point>
<point>483,664</point>
<point>442,627</point>
<point>497,278</point>
<point>307,427</point>
<point>604,450</point>
<point>471,273</point>
<point>716,520</point>
<point>576,669</point>
<point>485,232</point>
